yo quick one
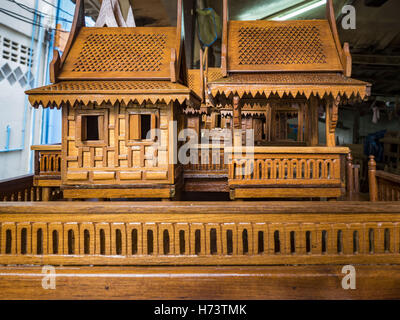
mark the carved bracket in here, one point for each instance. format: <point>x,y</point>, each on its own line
<point>334,109</point>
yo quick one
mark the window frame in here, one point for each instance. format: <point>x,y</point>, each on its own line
<point>154,124</point>
<point>102,127</point>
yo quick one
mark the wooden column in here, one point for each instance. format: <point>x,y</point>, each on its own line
<point>307,124</point>
<point>331,116</point>
<point>268,123</point>
<point>237,122</point>
<point>373,188</point>
<point>313,117</point>
<point>300,118</point>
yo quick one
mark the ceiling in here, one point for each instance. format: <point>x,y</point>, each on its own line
<point>374,44</point>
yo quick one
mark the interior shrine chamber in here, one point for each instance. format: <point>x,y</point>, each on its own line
<point>267,181</point>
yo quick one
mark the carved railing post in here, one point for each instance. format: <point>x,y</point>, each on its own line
<point>373,189</point>
<point>350,177</point>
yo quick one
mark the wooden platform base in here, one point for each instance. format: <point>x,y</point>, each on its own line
<point>241,193</point>
<point>262,282</point>
<point>113,193</point>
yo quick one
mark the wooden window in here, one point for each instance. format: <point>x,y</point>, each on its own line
<point>91,128</point>
<point>139,125</point>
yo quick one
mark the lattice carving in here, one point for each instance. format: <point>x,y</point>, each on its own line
<point>89,86</point>
<point>296,44</point>
<point>111,52</point>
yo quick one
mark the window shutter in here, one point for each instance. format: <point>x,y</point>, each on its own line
<point>83,128</point>
<point>134,127</point>
<point>100,127</point>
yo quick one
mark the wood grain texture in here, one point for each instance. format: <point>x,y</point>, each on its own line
<point>194,233</point>
<point>207,283</point>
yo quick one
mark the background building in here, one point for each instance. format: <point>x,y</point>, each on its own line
<point>27,38</point>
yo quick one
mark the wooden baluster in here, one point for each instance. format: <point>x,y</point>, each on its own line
<point>356,178</point>
<point>37,163</point>
<point>46,193</point>
<point>349,182</point>
<point>373,190</point>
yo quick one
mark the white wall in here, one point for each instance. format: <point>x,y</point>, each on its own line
<point>12,98</point>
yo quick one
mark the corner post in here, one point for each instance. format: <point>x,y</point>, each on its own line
<point>373,185</point>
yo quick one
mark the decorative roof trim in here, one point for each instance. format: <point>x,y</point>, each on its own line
<point>291,90</point>
<point>57,101</point>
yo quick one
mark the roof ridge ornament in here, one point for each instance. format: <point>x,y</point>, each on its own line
<point>110,15</point>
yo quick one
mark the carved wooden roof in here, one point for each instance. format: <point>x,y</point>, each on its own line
<point>120,53</point>
<point>98,92</point>
<point>265,46</point>
<point>291,84</point>
<point>285,59</point>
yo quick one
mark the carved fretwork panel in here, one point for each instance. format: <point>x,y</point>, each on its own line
<point>281,46</point>
<point>121,52</point>
<point>127,54</point>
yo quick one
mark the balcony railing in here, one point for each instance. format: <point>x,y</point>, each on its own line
<point>383,186</point>
<point>209,163</point>
<point>291,167</point>
<point>47,162</point>
<point>19,189</point>
<point>209,233</point>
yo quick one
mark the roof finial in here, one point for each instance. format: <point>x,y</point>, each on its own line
<point>110,15</point>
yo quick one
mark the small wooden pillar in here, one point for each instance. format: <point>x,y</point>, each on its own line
<point>331,117</point>
<point>300,123</point>
<point>46,194</point>
<point>237,122</point>
<point>313,112</point>
<point>373,186</point>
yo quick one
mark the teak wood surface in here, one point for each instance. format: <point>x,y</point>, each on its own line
<point>298,270</point>
<point>202,283</point>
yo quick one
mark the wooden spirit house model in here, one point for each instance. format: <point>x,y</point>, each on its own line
<point>278,74</point>
<point>114,83</point>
